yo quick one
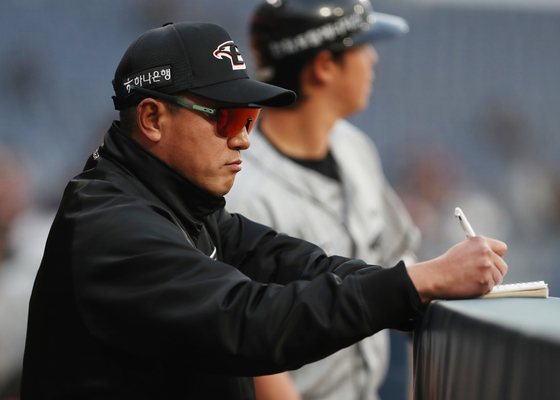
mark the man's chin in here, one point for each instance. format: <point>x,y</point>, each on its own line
<point>222,191</point>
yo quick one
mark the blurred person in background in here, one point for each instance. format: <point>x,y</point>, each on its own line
<point>433,183</point>
<point>529,184</point>
<point>528,190</point>
<point>23,233</point>
<point>313,175</point>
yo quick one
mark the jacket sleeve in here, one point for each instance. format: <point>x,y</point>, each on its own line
<point>143,288</point>
<point>267,256</point>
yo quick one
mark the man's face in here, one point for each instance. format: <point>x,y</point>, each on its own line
<point>190,143</point>
<point>356,78</point>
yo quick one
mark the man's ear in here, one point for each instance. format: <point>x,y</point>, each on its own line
<point>322,68</point>
<point>149,119</point>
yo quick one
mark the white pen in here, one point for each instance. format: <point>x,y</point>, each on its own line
<point>464,223</point>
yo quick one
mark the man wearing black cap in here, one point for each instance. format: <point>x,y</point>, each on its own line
<point>150,289</point>
<point>313,175</point>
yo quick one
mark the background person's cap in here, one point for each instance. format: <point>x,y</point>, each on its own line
<point>288,29</point>
<point>194,56</point>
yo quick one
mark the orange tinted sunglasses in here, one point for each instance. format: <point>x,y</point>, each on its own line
<point>231,120</point>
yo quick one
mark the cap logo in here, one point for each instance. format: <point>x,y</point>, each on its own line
<point>149,78</point>
<point>230,51</point>
<point>317,37</point>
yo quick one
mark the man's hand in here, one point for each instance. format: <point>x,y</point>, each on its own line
<point>469,269</point>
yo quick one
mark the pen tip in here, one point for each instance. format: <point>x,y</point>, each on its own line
<point>458,212</point>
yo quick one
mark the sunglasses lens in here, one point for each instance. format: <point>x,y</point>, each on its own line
<point>232,120</point>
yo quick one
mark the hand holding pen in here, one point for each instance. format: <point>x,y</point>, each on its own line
<point>469,269</point>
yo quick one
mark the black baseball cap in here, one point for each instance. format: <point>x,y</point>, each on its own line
<point>195,56</point>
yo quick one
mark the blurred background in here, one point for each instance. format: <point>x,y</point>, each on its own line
<point>465,112</point>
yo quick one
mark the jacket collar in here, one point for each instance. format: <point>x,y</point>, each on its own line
<point>189,202</point>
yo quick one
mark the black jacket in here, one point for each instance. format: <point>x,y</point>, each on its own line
<point>150,289</point>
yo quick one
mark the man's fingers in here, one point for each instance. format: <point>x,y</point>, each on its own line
<point>500,264</point>
<point>497,275</point>
<point>497,246</point>
<point>499,268</point>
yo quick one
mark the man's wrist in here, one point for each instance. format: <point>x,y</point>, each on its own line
<point>421,279</point>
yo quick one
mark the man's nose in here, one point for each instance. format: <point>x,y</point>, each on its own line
<point>240,141</point>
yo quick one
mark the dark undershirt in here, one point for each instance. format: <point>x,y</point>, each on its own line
<point>327,166</point>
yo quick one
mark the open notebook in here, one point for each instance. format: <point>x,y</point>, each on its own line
<point>524,289</point>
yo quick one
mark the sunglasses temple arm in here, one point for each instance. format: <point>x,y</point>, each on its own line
<point>174,99</point>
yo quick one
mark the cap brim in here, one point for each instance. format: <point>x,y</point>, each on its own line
<point>385,27</point>
<point>247,91</point>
